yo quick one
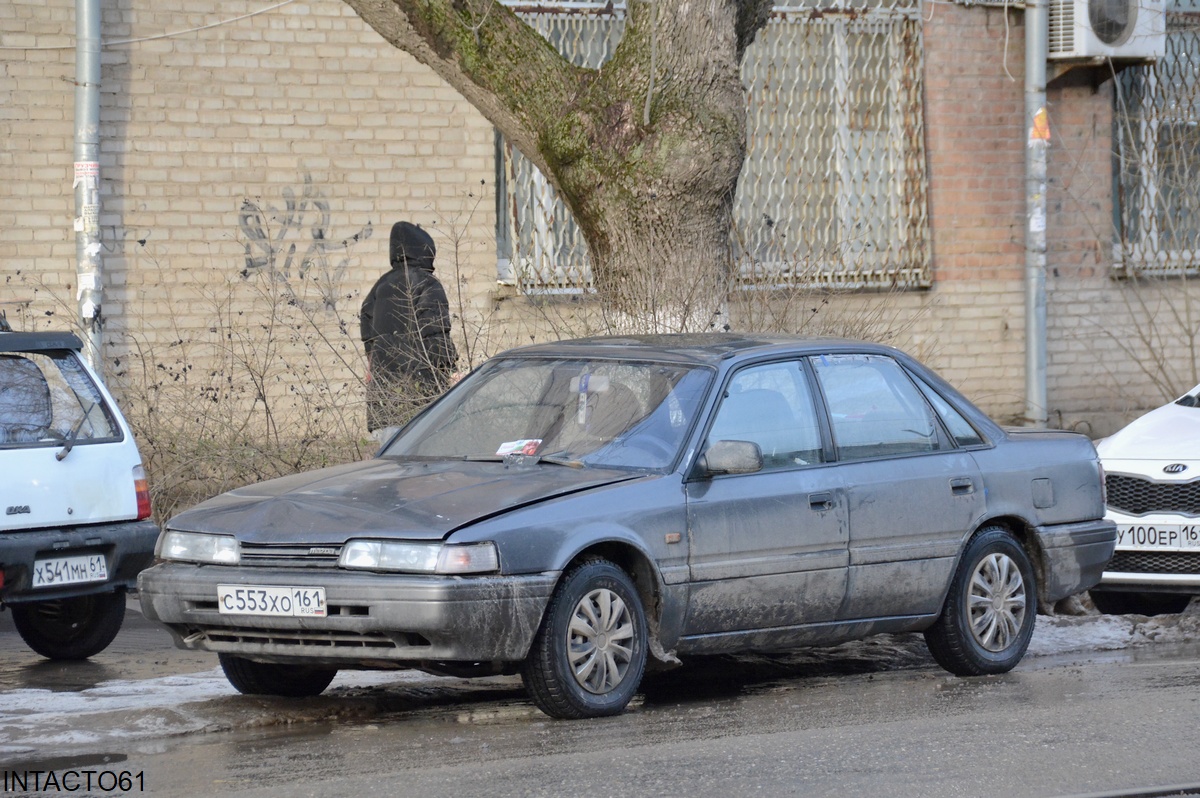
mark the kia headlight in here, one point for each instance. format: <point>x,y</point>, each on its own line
<point>198,547</point>
<point>420,558</point>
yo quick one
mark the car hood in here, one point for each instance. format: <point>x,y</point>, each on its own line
<point>384,497</point>
<point>1171,432</point>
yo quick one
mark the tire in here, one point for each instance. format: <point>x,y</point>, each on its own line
<point>268,678</point>
<point>70,629</point>
<point>589,655</point>
<point>1111,602</point>
<point>989,613</point>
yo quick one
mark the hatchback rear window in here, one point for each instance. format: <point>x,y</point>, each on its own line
<point>47,398</point>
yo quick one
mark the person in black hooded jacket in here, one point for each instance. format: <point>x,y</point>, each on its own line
<point>405,325</point>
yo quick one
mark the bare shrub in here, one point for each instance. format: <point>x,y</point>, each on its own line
<point>271,384</point>
<point>270,387</point>
<point>1157,330</point>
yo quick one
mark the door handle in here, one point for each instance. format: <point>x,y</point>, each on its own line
<point>962,486</point>
<point>820,501</point>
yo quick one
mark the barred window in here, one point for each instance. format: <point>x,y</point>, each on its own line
<point>1157,137</point>
<point>833,192</point>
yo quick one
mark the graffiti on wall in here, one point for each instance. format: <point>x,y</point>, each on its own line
<point>293,244</point>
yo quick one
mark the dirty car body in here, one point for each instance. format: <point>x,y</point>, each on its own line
<point>573,510</point>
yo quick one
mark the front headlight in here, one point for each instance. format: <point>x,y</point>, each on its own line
<point>198,547</point>
<point>421,558</point>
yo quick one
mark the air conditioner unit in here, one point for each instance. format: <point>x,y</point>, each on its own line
<point>1130,30</point>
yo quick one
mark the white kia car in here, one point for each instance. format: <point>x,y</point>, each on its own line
<point>1153,481</point>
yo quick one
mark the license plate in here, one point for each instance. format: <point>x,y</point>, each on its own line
<point>1168,537</point>
<point>287,602</point>
<point>70,570</point>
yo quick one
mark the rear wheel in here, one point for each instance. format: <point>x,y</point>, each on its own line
<point>270,678</point>
<point>1121,603</point>
<point>989,614</point>
<point>70,629</point>
<point>590,653</point>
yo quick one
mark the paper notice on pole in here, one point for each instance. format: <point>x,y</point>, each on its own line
<point>91,218</point>
<point>87,172</point>
<point>1037,221</point>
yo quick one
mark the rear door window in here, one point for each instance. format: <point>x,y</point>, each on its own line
<point>875,409</point>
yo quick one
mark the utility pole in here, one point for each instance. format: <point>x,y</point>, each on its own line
<point>1037,126</point>
<point>89,266</point>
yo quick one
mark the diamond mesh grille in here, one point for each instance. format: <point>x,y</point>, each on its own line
<point>1158,145</point>
<point>833,192</point>
<point>1138,496</point>
<point>1155,562</point>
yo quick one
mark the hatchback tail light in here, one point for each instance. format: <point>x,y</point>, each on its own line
<point>143,492</point>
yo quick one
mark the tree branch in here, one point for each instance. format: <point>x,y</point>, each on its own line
<point>501,65</point>
<point>752,16</point>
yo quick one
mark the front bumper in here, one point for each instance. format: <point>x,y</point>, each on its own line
<point>1075,556</point>
<point>1170,568</point>
<point>374,619</point>
<point>128,547</point>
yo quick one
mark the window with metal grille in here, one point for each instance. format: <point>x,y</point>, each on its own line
<point>1157,141</point>
<point>833,192</point>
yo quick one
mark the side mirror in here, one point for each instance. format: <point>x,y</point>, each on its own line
<point>732,457</point>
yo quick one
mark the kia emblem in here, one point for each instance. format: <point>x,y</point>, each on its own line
<point>1174,468</point>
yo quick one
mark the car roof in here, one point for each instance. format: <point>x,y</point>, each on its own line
<point>38,341</point>
<point>697,348</point>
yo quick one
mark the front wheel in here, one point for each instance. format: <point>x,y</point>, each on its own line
<point>989,614</point>
<point>590,653</point>
<point>70,629</point>
<point>270,678</point>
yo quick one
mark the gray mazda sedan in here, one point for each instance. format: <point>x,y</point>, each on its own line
<point>574,511</point>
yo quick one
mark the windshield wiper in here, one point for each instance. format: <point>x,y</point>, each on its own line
<point>555,458</point>
<point>70,444</point>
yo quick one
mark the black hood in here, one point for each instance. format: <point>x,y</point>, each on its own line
<point>411,246</point>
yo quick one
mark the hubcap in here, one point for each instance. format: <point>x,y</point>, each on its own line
<point>599,641</point>
<point>996,602</point>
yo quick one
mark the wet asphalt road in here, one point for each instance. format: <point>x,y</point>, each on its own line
<point>878,720</point>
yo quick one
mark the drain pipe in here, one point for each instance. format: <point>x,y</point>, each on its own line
<point>1037,30</point>
<point>89,267</point>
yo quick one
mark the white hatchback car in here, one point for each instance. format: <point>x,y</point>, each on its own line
<point>1153,483</point>
<point>74,533</point>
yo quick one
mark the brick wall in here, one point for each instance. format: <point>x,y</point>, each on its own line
<point>285,144</point>
<point>298,137</point>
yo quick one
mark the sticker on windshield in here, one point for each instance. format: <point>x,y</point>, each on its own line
<point>524,446</point>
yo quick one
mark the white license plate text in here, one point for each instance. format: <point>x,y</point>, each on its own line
<point>1158,536</point>
<point>70,570</point>
<point>288,602</point>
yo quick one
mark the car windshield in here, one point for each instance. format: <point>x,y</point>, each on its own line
<point>574,411</point>
<point>1190,399</point>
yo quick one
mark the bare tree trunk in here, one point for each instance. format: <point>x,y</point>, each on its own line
<point>666,273</point>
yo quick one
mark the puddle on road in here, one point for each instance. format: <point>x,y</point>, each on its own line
<point>58,677</point>
<point>125,698</point>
